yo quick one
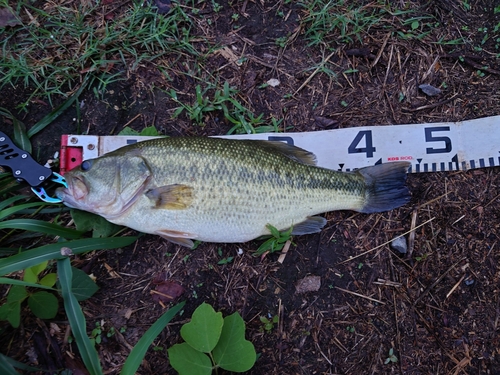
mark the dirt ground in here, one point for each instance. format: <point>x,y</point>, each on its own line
<point>438,307</point>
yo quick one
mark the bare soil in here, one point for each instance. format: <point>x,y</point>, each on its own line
<point>438,306</point>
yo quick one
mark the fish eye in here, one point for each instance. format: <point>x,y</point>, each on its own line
<point>86,165</point>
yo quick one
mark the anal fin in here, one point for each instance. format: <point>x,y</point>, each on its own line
<point>312,224</point>
<point>179,238</point>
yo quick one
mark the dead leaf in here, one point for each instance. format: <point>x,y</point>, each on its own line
<point>166,290</point>
<point>228,54</point>
<point>8,18</point>
<point>324,122</point>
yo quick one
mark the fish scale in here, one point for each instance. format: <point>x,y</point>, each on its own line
<point>221,190</point>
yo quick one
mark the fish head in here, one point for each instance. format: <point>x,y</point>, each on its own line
<point>107,186</point>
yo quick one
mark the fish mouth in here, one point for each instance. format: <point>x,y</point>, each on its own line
<point>73,196</point>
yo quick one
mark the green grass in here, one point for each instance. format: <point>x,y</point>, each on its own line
<point>337,22</point>
<point>59,44</point>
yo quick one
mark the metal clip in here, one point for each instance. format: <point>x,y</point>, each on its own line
<point>42,194</point>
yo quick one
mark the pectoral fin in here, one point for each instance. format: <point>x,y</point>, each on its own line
<point>179,238</point>
<point>171,197</point>
<point>312,224</point>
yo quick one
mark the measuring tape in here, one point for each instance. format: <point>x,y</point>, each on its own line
<point>434,147</point>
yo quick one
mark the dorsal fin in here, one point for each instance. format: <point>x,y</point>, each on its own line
<point>292,152</point>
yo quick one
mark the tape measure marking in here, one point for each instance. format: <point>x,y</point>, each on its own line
<point>428,147</point>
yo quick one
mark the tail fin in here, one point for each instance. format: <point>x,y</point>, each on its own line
<point>386,188</point>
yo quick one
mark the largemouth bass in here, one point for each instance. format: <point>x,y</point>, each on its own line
<point>220,190</point>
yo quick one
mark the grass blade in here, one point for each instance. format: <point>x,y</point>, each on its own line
<point>6,280</point>
<point>5,367</point>
<point>36,256</point>
<point>76,319</point>
<point>20,136</point>
<point>41,227</point>
<point>7,363</point>
<point>139,351</point>
<point>48,119</point>
<point>12,210</point>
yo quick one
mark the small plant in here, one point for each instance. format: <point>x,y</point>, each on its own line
<point>268,324</point>
<point>281,42</point>
<point>149,131</point>
<point>224,101</point>
<point>212,342</point>
<point>391,358</point>
<point>225,260</point>
<point>216,6</point>
<point>95,335</point>
<point>276,242</point>
<point>421,258</point>
<point>42,303</point>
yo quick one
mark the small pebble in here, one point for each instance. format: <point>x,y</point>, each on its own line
<point>308,284</point>
<point>399,244</point>
<point>429,89</point>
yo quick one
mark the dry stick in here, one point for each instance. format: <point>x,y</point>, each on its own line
<point>428,289</point>
<point>360,295</point>
<point>398,335</point>
<point>339,345</point>
<point>323,354</point>
<point>455,286</point>
<point>388,66</point>
<point>411,237</point>
<point>314,73</point>
<point>385,243</point>
<point>381,50</point>
<point>128,123</point>
<point>429,71</point>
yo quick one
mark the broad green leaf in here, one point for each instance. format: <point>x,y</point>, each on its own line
<point>77,319</point>
<point>17,294</point>
<point>139,351</point>
<point>18,207</point>
<point>149,131</point>
<point>83,286</point>
<point>204,329</point>
<point>128,131</point>
<point>43,304</point>
<point>233,352</point>
<point>100,227</point>
<point>30,276</point>
<point>11,311</point>
<point>30,258</point>
<point>188,361</point>
<point>41,227</point>
<point>49,280</point>
<point>6,280</point>
<point>39,268</point>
